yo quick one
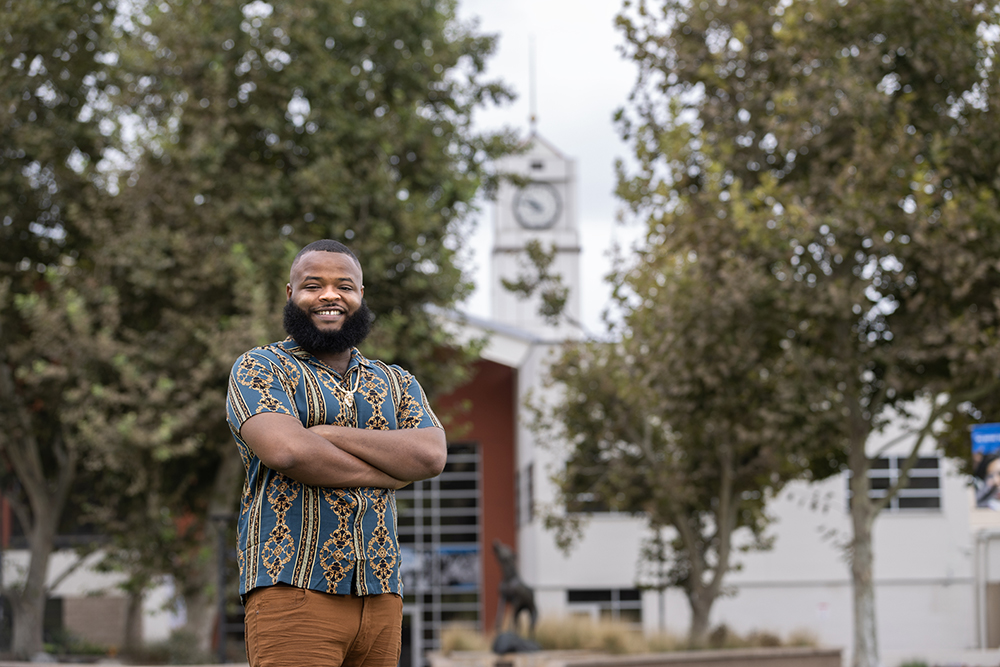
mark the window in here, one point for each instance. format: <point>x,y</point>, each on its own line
<point>528,510</point>
<point>439,532</point>
<point>923,492</point>
<point>587,503</point>
<point>624,604</point>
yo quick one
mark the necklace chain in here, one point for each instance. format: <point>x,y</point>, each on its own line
<point>357,381</point>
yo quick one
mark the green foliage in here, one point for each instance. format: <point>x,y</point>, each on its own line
<point>818,182</point>
<point>864,128</point>
<point>692,417</point>
<point>161,164</point>
<point>179,649</point>
<point>65,643</point>
<point>57,315</point>
<point>264,127</point>
<point>539,279</point>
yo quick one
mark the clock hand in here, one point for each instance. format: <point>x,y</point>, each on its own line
<point>533,204</point>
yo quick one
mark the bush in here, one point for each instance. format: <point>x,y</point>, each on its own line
<point>460,637</point>
<point>63,642</point>
<point>580,633</point>
<point>763,639</point>
<point>179,649</point>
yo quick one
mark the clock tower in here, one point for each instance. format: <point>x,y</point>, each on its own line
<point>543,209</point>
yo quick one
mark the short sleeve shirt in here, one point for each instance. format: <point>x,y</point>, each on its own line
<point>331,540</point>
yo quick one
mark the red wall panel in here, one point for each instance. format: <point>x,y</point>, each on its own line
<point>484,411</point>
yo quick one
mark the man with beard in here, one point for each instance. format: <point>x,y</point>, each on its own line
<point>326,437</point>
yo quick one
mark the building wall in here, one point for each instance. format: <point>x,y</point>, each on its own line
<point>923,572</point>
<point>93,603</point>
<point>925,567</point>
<point>99,620</point>
<point>489,421</point>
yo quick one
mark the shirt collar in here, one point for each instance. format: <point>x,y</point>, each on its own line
<point>297,351</point>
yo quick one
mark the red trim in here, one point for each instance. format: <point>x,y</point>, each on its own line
<point>490,421</point>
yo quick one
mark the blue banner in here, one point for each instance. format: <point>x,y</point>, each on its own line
<point>985,438</point>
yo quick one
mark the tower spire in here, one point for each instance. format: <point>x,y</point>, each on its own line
<point>532,101</point>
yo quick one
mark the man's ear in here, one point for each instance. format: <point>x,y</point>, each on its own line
<point>288,290</point>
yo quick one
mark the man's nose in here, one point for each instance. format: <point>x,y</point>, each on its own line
<point>329,294</point>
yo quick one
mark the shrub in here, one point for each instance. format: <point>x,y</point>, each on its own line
<point>458,637</point>
<point>581,633</point>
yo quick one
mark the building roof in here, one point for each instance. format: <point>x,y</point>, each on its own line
<point>504,343</point>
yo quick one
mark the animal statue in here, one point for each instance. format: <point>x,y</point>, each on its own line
<point>514,593</point>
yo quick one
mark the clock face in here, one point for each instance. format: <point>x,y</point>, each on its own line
<point>537,205</point>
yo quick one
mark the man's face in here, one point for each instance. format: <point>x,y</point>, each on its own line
<point>993,476</point>
<point>328,287</point>
<point>325,313</point>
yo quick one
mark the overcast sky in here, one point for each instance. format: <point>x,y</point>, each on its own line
<point>580,81</point>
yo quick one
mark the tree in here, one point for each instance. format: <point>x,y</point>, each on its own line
<point>164,185</point>
<point>260,127</point>
<point>56,316</point>
<point>691,415</point>
<point>862,133</point>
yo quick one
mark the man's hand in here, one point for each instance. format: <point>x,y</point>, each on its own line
<point>284,445</point>
<point>408,454</point>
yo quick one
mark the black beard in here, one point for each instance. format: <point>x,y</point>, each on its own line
<point>300,327</point>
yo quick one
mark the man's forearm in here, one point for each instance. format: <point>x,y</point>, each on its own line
<point>404,454</point>
<point>345,472</point>
<point>352,473</point>
<point>283,445</point>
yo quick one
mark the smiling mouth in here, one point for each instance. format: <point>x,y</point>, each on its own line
<point>329,313</point>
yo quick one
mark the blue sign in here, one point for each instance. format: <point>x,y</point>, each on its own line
<point>423,568</point>
<point>986,438</point>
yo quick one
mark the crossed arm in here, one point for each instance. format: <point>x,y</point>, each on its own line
<point>340,456</point>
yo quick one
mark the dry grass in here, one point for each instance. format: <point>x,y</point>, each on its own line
<point>723,637</point>
<point>803,638</point>
<point>581,633</point>
<point>576,633</point>
<point>457,637</point>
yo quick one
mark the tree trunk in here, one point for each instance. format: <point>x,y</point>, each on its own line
<point>700,616</point>
<point>133,622</point>
<point>200,602</point>
<point>29,614</point>
<point>28,604</point>
<point>201,594</point>
<point>702,595</point>
<point>862,559</point>
<point>865,638</point>
<point>45,489</point>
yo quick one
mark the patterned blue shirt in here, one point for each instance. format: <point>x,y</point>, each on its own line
<point>331,540</point>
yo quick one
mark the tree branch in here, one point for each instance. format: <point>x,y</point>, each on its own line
<point>73,567</point>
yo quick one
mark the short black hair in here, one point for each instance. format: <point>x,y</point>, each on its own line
<point>327,245</point>
<point>984,464</point>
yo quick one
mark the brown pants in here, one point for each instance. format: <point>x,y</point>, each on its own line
<point>294,627</point>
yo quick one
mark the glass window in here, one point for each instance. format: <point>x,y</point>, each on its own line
<point>613,604</point>
<point>439,534</point>
<point>922,492</point>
